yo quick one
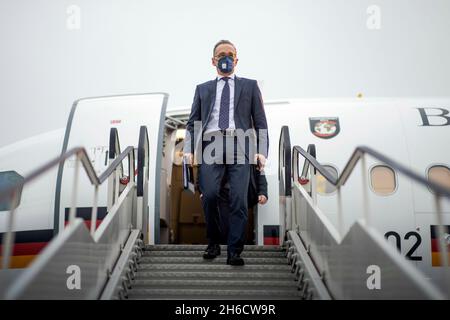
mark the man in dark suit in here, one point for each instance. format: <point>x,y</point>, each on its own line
<point>227,130</point>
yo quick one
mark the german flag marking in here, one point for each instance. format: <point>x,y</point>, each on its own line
<point>436,257</point>
<point>272,235</point>
<point>27,245</point>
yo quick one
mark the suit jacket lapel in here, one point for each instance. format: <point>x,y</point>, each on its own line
<point>212,100</point>
<point>237,90</point>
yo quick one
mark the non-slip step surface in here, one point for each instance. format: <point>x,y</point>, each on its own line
<point>212,294</point>
<point>208,283</point>
<point>214,267</point>
<point>180,272</point>
<point>199,253</point>
<point>218,260</point>
<point>202,247</point>
<point>232,274</point>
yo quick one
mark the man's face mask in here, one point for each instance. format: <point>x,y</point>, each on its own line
<point>225,64</point>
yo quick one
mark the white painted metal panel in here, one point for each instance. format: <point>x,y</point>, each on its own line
<point>35,211</point>
<point>92,120</point>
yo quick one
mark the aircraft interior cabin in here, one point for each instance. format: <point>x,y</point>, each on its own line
<point>184,220</point>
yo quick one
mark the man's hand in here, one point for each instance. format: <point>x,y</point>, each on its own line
<point>262,199</point>
<point>260,160</point>
<point>189,158</point>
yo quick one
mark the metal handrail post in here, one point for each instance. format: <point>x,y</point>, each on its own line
<point>8,237</point>
<point>366,206</point>
<point>72,212</point>
<point>94,211</point>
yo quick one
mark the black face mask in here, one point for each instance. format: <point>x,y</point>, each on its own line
<point>225,64</point>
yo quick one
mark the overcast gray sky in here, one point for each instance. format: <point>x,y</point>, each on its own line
<point>295,48</point>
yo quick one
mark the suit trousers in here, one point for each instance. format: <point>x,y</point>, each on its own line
<point>237,174</point>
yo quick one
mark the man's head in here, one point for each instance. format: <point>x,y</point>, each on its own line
<point>224,57</point>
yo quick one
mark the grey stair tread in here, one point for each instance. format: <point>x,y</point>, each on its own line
<point>131,296</point>
<point>213,292</point>
<point>180,272</point>
<point>200,260</point>
<point>201,247</point>
<point>214,267</point>
<point>213,275</point>
<point>208,283</point>
<point>195,253</point>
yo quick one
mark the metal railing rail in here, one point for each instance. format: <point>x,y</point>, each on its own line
<point>108,255</point>
<point>312,151</point>
<point>284,162</point>
<point>351,163</point>
<point>142,159</point>
<point>285,185</point>
<point>143,156</point>
<point>81,156</point>
<point>343,263</point>
<point>359,153</point>
<point>114,180</point>
<point>114,145</point>
<point>312,165</point>
<point>96,257</point>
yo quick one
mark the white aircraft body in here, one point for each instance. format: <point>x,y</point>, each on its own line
<point>413,132</point>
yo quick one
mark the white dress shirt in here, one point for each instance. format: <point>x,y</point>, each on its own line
<point>213,124</point>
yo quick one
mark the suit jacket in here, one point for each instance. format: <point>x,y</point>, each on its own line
<point>248,112</point>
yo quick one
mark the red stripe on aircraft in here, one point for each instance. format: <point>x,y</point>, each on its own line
<point>87,223</point>
<point>27,249</point>
<point>271,241</point>
<point>435,246</point>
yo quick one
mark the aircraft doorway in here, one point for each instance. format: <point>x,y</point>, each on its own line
<point>183,220</point>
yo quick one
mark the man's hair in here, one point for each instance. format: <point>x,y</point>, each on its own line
<point>222,42</point>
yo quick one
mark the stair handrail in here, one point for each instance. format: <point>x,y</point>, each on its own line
<point>351,163</point>
<point>284,162</point>
<point>80,154</point>
<point>143,155</point>
<point>312,151</point>
<point>114,145</point>
<point>358,154</point>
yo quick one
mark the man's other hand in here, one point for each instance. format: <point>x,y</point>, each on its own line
<point>262,199</point>
<point>189,158</point>
<point>260,160</point>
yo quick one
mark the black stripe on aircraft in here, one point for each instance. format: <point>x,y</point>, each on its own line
<point>86,212</point>
<point>31,236</point>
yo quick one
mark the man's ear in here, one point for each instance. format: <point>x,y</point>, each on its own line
<point>236,61</point>
<point>213,62</point>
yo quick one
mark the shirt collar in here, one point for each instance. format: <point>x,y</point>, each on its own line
<point>230,76</point>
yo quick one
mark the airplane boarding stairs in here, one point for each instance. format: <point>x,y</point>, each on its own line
<point>314,262</point>
<point>180,272</point>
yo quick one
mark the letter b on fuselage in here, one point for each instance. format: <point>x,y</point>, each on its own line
<point>434,117</point>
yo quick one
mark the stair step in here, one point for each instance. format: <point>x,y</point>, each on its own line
<point>232,274</point>
<point>218,260</point>
<point>202,247</point>
<point>198,253</point>
<point>180,272</point>
<point>212,283</point>
<point>214,267</point>
<point>271,294</point>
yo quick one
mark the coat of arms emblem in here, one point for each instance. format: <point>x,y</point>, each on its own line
<point>324,127</point>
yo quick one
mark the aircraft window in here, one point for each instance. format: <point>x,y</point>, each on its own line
<point>383,180</point>
<point>323,185</point>
<point>440,174</point>
<point>9,179</point>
